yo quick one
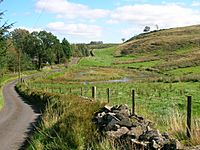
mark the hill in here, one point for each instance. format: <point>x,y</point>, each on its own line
<point>173,51</point>
<point>101,46</point>
<point>164,40</point>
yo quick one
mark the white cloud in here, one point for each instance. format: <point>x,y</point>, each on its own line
<point>78,30</point>
<point>196,3</point>
<point>134,17</point>
<point>112,21</point>
<point>130,31</point>
<point>165,15</point>
<point>69,10</point>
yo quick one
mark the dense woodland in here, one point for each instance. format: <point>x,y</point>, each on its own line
<point>22,50</point>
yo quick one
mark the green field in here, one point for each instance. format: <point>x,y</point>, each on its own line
<point>155,100</point>
<point>3,81</point>
<point>159,98</point>
<point>162,79</point>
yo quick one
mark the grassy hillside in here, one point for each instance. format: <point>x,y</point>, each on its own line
<point>168,40</point>
<point>101,46</point>
<point>175,52</point>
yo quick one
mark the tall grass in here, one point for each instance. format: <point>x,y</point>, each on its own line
<point>66,122</point>
<point>177,128</point>
<point>3,80</point>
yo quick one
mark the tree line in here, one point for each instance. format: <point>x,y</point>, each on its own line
<point>22,50</point>
<point>36,49</point>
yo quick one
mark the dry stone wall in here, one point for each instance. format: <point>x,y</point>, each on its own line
<point>128,131</point>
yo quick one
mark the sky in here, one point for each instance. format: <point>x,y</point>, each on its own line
<point>82,21</point>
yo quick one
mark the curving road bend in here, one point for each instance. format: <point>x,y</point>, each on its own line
<point>16,118</point>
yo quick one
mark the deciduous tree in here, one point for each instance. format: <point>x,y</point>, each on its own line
<point>3,45</point>
<point>66,48</point>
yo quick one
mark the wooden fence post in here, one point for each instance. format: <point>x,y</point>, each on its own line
<point>189,116</point>
<point>133,102</point>
<point>81,91</point>
<point>94,92</point>
<point>108,95</point>
<point>70,90</point>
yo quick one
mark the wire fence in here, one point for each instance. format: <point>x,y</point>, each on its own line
<point>112,95</point>
<point>158,99</point>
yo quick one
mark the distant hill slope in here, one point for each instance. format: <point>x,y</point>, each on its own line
<point>175,52</point>
<point>163,40</point>
<point>101,46</point>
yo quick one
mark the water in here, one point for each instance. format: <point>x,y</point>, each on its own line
<point>123,80</point>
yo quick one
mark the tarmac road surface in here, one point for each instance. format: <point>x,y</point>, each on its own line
<point>16,118</point>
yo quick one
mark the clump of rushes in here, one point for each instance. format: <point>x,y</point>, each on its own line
<point>177,128</point>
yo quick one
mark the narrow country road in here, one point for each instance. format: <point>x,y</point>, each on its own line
<point>15,119</point>
<point>74,60</point>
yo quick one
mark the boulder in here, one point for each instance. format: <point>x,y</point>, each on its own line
<point>136,131</point>
<point>99,117</point>
<point>125,123</point>
<point>107,108</point>
<point>120,116</point>
<point>112,125</point>
<point>109,117</point>
<point>150,135</point>
<point>165,135</point>
<point>123,107</point>
<point>155,145</point>
<point>124,110</point>
<point>117,134</point>
<point>170,145</point>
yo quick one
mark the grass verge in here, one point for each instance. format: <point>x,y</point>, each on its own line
<point>66,122</point>
<point>9,77</point>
